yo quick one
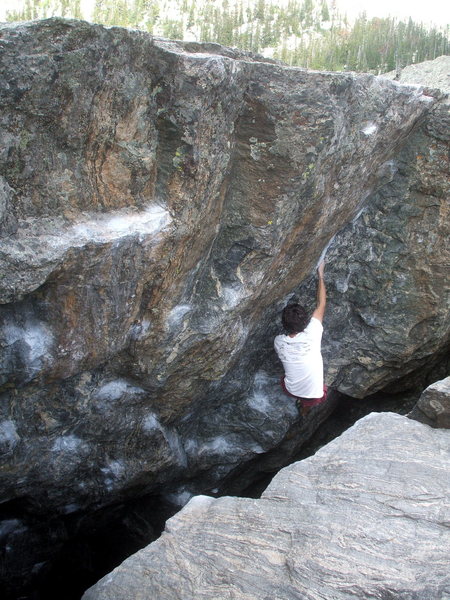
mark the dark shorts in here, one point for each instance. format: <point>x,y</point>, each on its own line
<point>307,402</point>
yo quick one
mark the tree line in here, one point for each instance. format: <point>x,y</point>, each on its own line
<point>307,33</point>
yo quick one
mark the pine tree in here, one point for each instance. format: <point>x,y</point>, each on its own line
<point>324,12</point>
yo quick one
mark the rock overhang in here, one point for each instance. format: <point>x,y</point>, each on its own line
<point>253,168</point>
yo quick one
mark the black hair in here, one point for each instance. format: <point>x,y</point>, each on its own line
<point>294,318</point>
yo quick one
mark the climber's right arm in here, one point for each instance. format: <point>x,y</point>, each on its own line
<point>321,294</point>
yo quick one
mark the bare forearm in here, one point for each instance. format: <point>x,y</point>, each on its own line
<point>321,294</point>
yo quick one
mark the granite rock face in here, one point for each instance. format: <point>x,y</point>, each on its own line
<point>159,202</point>
<point>389,272</point>
<point>366,517</point>
<point>433,407</point>
<point>389,269</point>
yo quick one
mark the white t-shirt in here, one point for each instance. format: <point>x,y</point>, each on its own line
<point>302,360</point>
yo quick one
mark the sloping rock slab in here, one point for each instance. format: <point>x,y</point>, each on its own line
<point>366,517</point>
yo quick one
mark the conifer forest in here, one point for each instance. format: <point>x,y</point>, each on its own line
<point>306,33</point>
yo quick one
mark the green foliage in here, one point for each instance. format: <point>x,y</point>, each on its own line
<point>308,33</point>
<point>42,9</point>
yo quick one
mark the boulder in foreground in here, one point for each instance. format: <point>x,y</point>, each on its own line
<point>366,517</point>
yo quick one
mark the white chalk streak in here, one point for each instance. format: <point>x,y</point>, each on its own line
<point>42,241</point>
<point>370,129</point>
<point>114,390</point>
<point>109,227</point>
<point>324,251</point>
<point>176,315</point>
<point>37,337</point>
<point>8,434</point>
<point>67,443</point>
<point>231,296</point>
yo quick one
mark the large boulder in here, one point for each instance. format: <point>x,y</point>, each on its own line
<point>161,198</point>
<point>159,203</point>
<point>366,517</point>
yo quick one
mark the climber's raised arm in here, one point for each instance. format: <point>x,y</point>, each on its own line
<point>321,294</point>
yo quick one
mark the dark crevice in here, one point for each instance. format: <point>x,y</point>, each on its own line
<point>88,546</point>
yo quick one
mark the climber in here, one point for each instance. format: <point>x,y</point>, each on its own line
<point>299,350</point>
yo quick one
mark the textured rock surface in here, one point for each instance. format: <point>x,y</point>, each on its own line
<point>366,517</point>
<point>433,406</point>
<point>433,73</point>
<point>163,199</point>
<point>159,202</point>
<point>388,271</point>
